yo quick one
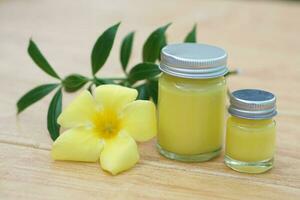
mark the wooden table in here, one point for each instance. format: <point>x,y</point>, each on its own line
<point>261,37</point>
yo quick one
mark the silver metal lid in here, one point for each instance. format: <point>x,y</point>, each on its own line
<point>252,104</point>
<point>191,60</point>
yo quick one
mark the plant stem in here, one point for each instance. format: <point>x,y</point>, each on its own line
<point>114,78</point>
<point>232,72</point>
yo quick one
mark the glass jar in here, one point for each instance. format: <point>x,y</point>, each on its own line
<point>250,136</point>
<point>191,102</point>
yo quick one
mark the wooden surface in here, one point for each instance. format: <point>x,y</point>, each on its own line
<point>261,37</point>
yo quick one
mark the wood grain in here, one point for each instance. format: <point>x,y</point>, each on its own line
<point>261,37</point>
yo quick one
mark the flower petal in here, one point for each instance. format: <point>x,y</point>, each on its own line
<point>79,112</point>
<point>139,120</point>
<point>114,97</point>
<point>77,144</point>
<point>119,154</point>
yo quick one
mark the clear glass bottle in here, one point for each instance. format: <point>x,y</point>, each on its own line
<point>251,130</point>
<point>191,102</point>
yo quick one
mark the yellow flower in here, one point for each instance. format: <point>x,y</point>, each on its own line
<point>105,127</point>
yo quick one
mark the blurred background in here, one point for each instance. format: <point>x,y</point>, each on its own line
<point>261,38</point>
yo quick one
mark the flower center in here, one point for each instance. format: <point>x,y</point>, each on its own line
<point>107,124</point>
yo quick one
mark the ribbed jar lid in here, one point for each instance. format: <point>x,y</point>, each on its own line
<point>252,104</point>
<point>191,60</point>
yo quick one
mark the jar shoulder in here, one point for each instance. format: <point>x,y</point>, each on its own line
<point>233,121</point>
<point>184,83</point>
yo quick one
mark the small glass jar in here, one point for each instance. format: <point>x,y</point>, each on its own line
<point>250,136</point>
<point>191,102</point>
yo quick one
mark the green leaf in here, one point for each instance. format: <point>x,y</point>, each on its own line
<point>102,48</point>
<point>54,111</point>
<point>154,43</point>
<point>40,60</point>
<point>143,92</point>
<point>147,90</point>
<point>191,36</point>
<point>143,71</point>
<point>163,43</point>
<point>153,90</point>
<point>74,82</point>
<point>126,50</point>
<point>34,95</point>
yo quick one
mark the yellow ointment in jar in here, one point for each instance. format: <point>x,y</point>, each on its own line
<point>250,136</point>
<point>191,102</point>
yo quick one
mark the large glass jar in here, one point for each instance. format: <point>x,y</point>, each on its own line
<point>191,102</point>
<point>251,130</point>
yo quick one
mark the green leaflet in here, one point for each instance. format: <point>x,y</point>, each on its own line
<point>54,111</point>
<point>153,90</point>
<point>163,43</point>
<point>154,43</point>
<point>143,71</point>
<point>34,95</point>
<point>74,82</point>
<point>40,60</point>
<point>191,36</point>
<point>143,92</point>
<point>102,48</point>
<point>126,48</point>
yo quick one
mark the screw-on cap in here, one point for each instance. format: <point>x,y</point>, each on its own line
<point>252,104</point>
<point>191,60</point>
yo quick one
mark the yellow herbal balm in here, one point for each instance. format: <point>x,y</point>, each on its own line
<point>250,137</point>
<point>191,102</point>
